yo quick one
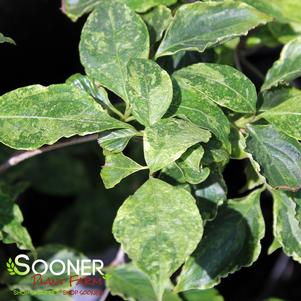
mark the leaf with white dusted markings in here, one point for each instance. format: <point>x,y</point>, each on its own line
<point>190,164</point>
<point>287,220</point>
<point>142,6</point>
<point>4,39</point>
<point>145,226</point>
<point>112,35</point>
<point>210,194</point>
<point>287,68</point>
<point>278,155</point>
<point>76,8</point>
<point>35,115</point>
<point>157,21</point>
<point>282,10</point>
<point>149,90</point>
<point>274,97</point>
<point>132,284</point>
<point>231,241</point>
<point>167,140</point>
<point>286,117</point>
<point>200,25</point>
<point>188,103</point>
<point>115,141</point>
<point>221,84</point>
<point>90,86</point>
<point>117,167</point>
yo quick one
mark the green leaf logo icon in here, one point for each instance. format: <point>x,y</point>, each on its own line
<point>11,267</point>
<point>107,276</point>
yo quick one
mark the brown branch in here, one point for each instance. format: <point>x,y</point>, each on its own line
<point>22,156</point>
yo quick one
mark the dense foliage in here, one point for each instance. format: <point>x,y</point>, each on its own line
<point>166,77</point>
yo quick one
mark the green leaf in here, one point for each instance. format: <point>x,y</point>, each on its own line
<point>145,226</point>
<point>183,59</point>
<point>112,35</point>
<point>275,245</point>
<point>190,164</point>
<point>200,25</point>
<point>225,53</point>
<point>4,39</point>
<point>210,194</point>
<point>116,141</point>
<point>262,36</point>
<point>149,90</point>
<point>253,176</point>
<point>132,284</point>
<point>142,6</point>
<point>118,167</point>
<point>203,295</point>
<point>238,144</point>
<point>11,219</point>
<point>221,84</point>
<point>284,33</point>
<point>14,232</point>
<point>282,10</point>
<point>278,155</point>
<point>90,86</point>
<point>167,140</point>
<point>76,8</point>
<point>286,225</point>
<point>36,115</point>
<point>274,97</point>
<point>173,174</point>
<point>287,68</point>
<point>230,241</point>
<point>157,21</point>
<point>215,153</point>
<point>190,104</point>
<point>286,117</point>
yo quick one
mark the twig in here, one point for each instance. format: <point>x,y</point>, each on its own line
<point>252,68</point>
<point>118,259</point>
<point>237,60</point>
<point>22,156</point>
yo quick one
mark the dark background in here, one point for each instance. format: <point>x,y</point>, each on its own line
<point>47,53</point>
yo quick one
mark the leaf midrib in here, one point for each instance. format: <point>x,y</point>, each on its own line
<point>266,150</point>
<point>80,118</point>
